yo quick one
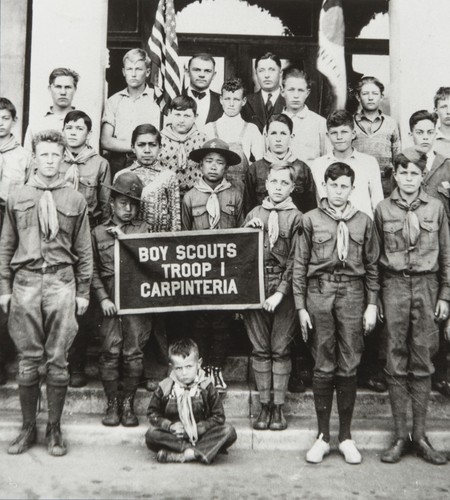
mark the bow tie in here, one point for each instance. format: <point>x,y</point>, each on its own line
<point>197,94</point>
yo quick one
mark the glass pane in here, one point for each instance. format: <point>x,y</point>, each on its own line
<point>123,16</point>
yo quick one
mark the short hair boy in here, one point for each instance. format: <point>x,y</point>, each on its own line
<point>45,275</point>
<point>335,269</point>
<point>377,134</point>
<point>178,138</point>
<point>62,86</point>
<point>442,108</point>
<point>187,419</point>
<point>310,134</point>
<point>243,138</point>
<point>124,337</point>
<point>271,330</point>
<point>368,190</point>
<point>127,109</point>
<point>278,138</point>
<point>415,272</point>
<point>213,203</point>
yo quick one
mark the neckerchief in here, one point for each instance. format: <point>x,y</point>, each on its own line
<point>212,205</point>
<point>274,228</point>
<point>73,172</point>
<point>47,213</point>
<point>9,145</point>
<point>342,235</point>
<point>272,158</point>
<point>180,139</point>
<point>411,226</point>
<point>184,395</point>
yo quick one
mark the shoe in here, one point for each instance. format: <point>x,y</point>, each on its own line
<point>424,450</point>
<point>375,384</point>
<point>263,420</point>
<point>24,440</point>
<point>112,413</point>
<point>78,379</point>
<point>350,451</point>
<point>443,387</point>
<point>318,450</point>
<point>277,422</point>
<point>219,382</point>
<point>163,456</point>
<point>55,442</point>
<point>128,418</point>
<point>296,385</point>
<point>398,448</point>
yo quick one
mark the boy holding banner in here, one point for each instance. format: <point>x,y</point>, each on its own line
<point>213,203</point>
<point>271,330</point>
<point>123,336</point>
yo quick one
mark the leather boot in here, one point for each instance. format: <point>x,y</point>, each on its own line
<point>129,418</point>
<point>277,422</point>
<point>263,420</point>
<point>55,442</point>
<point>424,450</point>
<point>112,413</point>
<point>164,456</point>
<point>29,396</point>
<point>398,448</point>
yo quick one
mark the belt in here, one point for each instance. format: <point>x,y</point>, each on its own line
<point>274,269</point>
<point>405,273</point>
<point>337,278</point>
<point>48,269</point>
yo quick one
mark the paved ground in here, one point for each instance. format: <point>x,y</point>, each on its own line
<point>131,472</point>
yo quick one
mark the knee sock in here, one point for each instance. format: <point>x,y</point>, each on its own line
<point>29,395</point>
<point>345,397</point>
<point>281,371</point>
<point>56,396</point>
<point>323,400</point>
<point>420,392</point>
<point>399,397</point>
<point>263,378</point>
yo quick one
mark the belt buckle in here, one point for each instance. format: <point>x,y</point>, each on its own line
<point>405,274</point>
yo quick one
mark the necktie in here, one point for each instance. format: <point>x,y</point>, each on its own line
<point>197,94</point>
<point>269,105</point>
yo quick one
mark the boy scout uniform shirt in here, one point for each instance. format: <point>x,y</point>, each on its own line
<point>103,249</point>
<point>432,251</point>
<point>280,255</point>
<point>194,215</point>
<point>23,245</point>
<point>316,253</point>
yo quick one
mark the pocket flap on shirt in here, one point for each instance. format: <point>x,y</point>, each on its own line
<point>105,245</point>
<point>444,191</point>
<point>68,212</point>
<point>392,226</point>
<point>357,238</point>
<point>88,182</point>
<point>321,237</point>
<point>429,225</point>
<point>229,209</point>
<point>23,206</point>
<point>198,211</point>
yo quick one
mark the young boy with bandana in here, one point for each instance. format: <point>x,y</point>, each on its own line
<point>45,275</point>
<point>271,330</point>
<point>213,203</point>
<point>187,419</point>
<point>415,293</point>
<point>335,275</point>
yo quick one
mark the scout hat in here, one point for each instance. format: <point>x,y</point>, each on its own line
<point>127,184</point>
<point>215,146</point>
<point>417,157</point>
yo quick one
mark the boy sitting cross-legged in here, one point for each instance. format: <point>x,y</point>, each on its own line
<point>187,419</point>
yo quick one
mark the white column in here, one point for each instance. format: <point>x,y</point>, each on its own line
<point>13,29</point>
<point>419,56</point>
<point>69,33</point>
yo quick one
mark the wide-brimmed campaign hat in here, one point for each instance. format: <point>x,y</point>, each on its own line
<point>414,156</point>
<point>215,146</point>
<point>127,184</point>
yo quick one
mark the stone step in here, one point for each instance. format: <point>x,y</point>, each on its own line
<point>241,400</point>
<point>373,434</point>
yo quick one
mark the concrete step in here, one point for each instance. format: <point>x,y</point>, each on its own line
<point>241,400</point>
<point>373,434</point>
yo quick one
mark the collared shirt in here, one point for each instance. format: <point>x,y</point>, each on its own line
<point>124,112</point>
<point>50,120</point>
<point>436,182</point>
<point>316,253</point>
<point>231,130</point>
<point>203,106</point>
<point>431,156</point>
<point>274,93</point>
<point>103,250</point>
<point>22,243</point>
<point>432,251</point>
<point>367,192</point>
<point>15,168</point>
<point>194,215</point>
<point>442,144</point>
<point>280,255</point>
<point>310,135</point>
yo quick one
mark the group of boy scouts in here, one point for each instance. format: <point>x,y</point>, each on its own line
<point>356,240</point>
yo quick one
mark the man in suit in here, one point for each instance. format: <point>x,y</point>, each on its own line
<point>268,100</point>
<point>201,71</point>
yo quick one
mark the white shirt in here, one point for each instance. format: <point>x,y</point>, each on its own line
<point>431,156</point>
<point>368,190</point>
<point>265,95</point>
<point>49,121</point>
<point>203,106</point>
<point>230,130</point>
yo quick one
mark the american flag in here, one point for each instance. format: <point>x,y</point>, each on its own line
<point>163,44</point>
<point>331,58</point>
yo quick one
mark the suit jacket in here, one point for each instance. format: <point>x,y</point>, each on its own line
<point>215,108</point>
<point>434,179</point>
<point>255,110</point>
